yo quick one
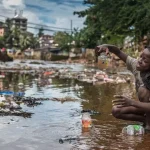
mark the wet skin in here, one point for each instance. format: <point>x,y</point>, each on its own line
<point>143,63</point>
<point>123,107</point>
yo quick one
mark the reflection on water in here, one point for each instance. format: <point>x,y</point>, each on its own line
<point>54,120</point>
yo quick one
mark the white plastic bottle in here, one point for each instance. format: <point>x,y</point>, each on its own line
<point>102,61</point>
<point>86,120</point>
<point>130,130</point>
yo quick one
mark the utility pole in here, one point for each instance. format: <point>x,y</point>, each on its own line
<point>71,27</point>
<point>70,36</point>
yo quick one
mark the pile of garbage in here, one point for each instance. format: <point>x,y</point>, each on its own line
<point>10,107</point>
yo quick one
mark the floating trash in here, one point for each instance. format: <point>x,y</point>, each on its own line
<point>7,112</point>
<point>91,112</point>
<point>29,101</point>
<point>19,93</point>
<point>12,93</point>
<point>6,92</point>
<point>67,98</point>
<point>2,98</point>
<point>133,130</point>
<point>70,139</point>
<point>86,120</point>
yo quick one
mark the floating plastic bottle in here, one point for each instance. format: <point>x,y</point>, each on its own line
<point>86,120</point>
<point>103,61</point>
<point>133,130</point>
<point>130,130</point>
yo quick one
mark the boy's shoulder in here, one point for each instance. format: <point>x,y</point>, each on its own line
<point>131,64</point>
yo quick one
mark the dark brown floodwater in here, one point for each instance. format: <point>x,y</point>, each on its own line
<point>54,120</point>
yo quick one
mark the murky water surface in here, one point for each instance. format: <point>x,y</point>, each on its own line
<point>54,120</point>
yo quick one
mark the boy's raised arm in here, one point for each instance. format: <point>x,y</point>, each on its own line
<point>113,49</point>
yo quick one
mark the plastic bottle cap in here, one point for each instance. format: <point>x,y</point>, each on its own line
<point>136,127</point>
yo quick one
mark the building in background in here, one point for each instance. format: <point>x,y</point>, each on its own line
<point>18,21</point>
<point>46,41</point>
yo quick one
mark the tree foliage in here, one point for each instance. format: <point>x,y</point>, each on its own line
<point>16,38</point>
<point>63,39</point>
<point>107,20</point>
<point>2,44</point>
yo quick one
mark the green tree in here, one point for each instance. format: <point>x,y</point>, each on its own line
<point>11,35</point>
<point>64,40</point>
<point>2,43</point>
<point>106,20</point>
<point>34,42</point>
<point>77,38</point>
<point>16,38</point>
<point>15,35</point>
<point>25,41</point>
<point>8,37</point>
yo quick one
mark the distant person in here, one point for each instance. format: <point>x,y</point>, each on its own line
<point>124,107</point>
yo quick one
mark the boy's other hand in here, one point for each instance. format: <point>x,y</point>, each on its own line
<point>122,101</point>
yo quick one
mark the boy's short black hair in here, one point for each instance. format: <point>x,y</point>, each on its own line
<point>147,46</point>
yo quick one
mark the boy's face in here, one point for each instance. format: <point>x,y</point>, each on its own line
<point>143,63</point>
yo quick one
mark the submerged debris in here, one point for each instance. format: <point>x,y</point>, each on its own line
<point>92,112</point>
<point>70,139</point>
<point>33,100</point>
<point>63,99</point>
<point>7,112</point>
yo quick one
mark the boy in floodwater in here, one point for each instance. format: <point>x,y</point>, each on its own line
<point>124,107</point>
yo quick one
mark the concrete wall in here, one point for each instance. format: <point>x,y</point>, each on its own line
<point>90,55</point>
<point>37,55</point>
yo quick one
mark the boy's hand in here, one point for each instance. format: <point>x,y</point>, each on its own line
<point>122,101</point>
<point>102,48</point>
